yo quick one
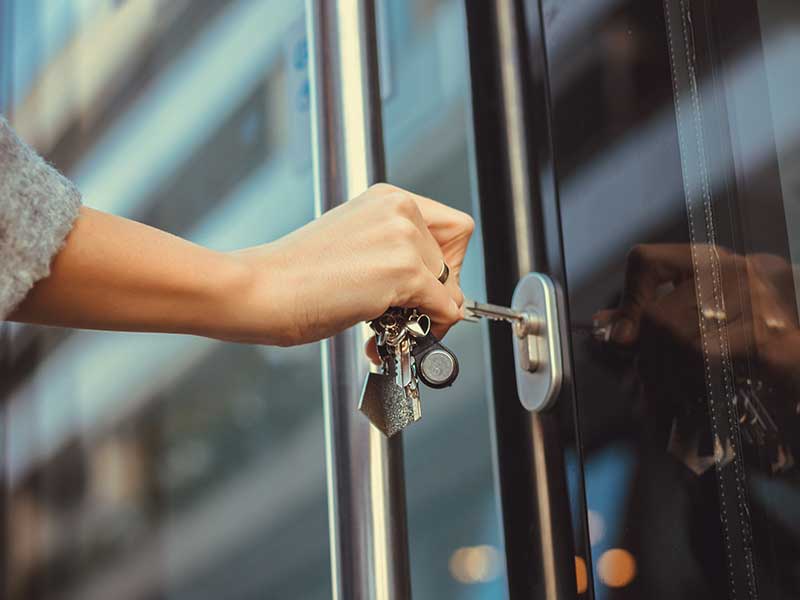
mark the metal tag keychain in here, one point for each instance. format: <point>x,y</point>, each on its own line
<point>409,353</point>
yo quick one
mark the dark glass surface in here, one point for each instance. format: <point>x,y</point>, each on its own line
<point>676,129</point>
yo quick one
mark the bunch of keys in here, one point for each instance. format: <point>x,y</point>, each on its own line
<point>410,353</point>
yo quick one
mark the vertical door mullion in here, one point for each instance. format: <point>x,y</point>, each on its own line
<point>366,489</point>
<point>518,234</point>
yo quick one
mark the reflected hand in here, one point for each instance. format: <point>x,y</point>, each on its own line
<point>384,248</point>
<point>658,312</point>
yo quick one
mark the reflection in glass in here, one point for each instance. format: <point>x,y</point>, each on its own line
<point>676,129</point>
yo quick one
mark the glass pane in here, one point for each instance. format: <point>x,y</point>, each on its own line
<point>455,538</point>
<point>144,466</point>
<point>676,131</point>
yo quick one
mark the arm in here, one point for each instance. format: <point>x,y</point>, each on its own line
<point>114,273</point>
<point>381,249</point>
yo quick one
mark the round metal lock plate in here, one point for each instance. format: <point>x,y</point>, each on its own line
<point>437,366</point>
<point>538,389</point>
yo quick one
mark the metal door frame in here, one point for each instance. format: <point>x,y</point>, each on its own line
<point>366,488</point>
<point>520,222</point>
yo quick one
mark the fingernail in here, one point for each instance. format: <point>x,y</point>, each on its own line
<point>623,331</point>
<point>601,330</point>
<point>601,326</point>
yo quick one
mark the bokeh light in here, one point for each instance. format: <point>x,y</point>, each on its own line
<point>616,568</point>
<point>475,564</point>
<point>581,575</point>
<point>597,526</point>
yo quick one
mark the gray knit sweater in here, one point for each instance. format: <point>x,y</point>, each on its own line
<point>37,209</point>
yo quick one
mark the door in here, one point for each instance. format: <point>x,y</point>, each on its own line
<point>663,149</point>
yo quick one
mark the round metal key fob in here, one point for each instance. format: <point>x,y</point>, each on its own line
<point>436,365</point>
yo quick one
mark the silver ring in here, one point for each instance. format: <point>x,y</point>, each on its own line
<point>445,273</point>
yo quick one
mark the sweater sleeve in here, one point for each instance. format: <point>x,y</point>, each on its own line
<point>38,207</point>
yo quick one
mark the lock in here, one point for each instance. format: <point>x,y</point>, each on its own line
<point>537,342</point>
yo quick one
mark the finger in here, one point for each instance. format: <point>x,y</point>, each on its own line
<point>431,210</point>
<point>433,299</point>
<point>647,269</point>
<point>434,258</point>
<point>455,290</point>
<point>440,330</point>
<point>450,227</point>
<point>453,282</point>
<point>436,213</point>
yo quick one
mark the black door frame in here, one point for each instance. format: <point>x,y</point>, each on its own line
<point>518,196</point>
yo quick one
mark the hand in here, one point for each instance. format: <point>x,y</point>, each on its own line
<point>384,248</point>
<point>658,313</point>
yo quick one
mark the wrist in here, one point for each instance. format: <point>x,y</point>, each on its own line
<point>220,307</point>
<point>251,299</point>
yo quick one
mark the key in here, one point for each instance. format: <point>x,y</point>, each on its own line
<point>526,326</point>
<point>524,323</point>
<point>494,312</point>
<point>407,378</point>
<point>390,399</point>
<point>403,360</point>
<point>410,353</point>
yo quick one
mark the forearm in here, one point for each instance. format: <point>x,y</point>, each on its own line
<point>118,274</point>
<point>348,266</point>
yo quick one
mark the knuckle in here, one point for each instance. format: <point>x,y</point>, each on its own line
<point>404,230</point>
<point>407,264</point>
<point>381,188</point>
<point>402,204</point>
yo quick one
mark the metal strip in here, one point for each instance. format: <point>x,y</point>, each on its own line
<point>734,510</point>
<point>528,245</point>
<point>366,489</point>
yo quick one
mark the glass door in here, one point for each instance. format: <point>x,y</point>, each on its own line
<point>145,466</point>
<point>675,135</point>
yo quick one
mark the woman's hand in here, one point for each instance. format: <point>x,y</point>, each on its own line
<point>384,248</point>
